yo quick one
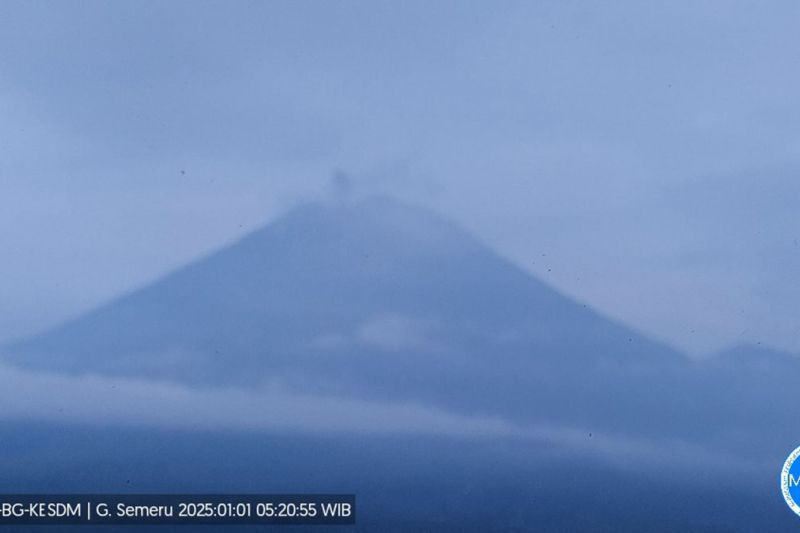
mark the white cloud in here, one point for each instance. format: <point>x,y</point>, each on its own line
<point>102,401</point>
<point>113,401</point>
<point>393,332</point>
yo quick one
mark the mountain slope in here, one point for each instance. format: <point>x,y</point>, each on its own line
<point>377,276</point>
<point>381,302</point>
<point>378,301</point>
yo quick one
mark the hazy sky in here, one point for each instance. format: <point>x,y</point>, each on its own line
<point>642,157</point>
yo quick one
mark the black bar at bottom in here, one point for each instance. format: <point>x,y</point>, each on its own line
<point>189,509</point>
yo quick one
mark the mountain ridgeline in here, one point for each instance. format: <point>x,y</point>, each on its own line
<point>380,300</point>
<point>379,303</point>
<point>354,280</point>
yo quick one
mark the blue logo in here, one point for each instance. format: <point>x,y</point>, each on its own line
<point>790,481</point>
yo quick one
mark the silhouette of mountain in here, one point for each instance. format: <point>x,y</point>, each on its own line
<point>380,300</point>
<point>377,300</point>
<point>376,276</point>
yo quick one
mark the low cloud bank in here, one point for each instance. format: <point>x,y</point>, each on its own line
<point>96,400</point>
<point>131,402</point>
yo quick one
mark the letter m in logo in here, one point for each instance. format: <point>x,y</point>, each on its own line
<point>794,481</point>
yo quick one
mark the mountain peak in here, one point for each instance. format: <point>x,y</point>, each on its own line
<point>343,284</point>
<point>372,217</point>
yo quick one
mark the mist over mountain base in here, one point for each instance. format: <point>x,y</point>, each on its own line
<point>375,348</point>
<point>401,483</point>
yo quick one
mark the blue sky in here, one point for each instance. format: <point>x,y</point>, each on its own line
<point>642,158</point>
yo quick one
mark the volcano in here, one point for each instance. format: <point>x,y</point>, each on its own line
<point>378,300</point>
<point>338,286</point>
<point>378,303</point>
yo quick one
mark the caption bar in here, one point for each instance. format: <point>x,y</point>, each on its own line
<point>190,509</point>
